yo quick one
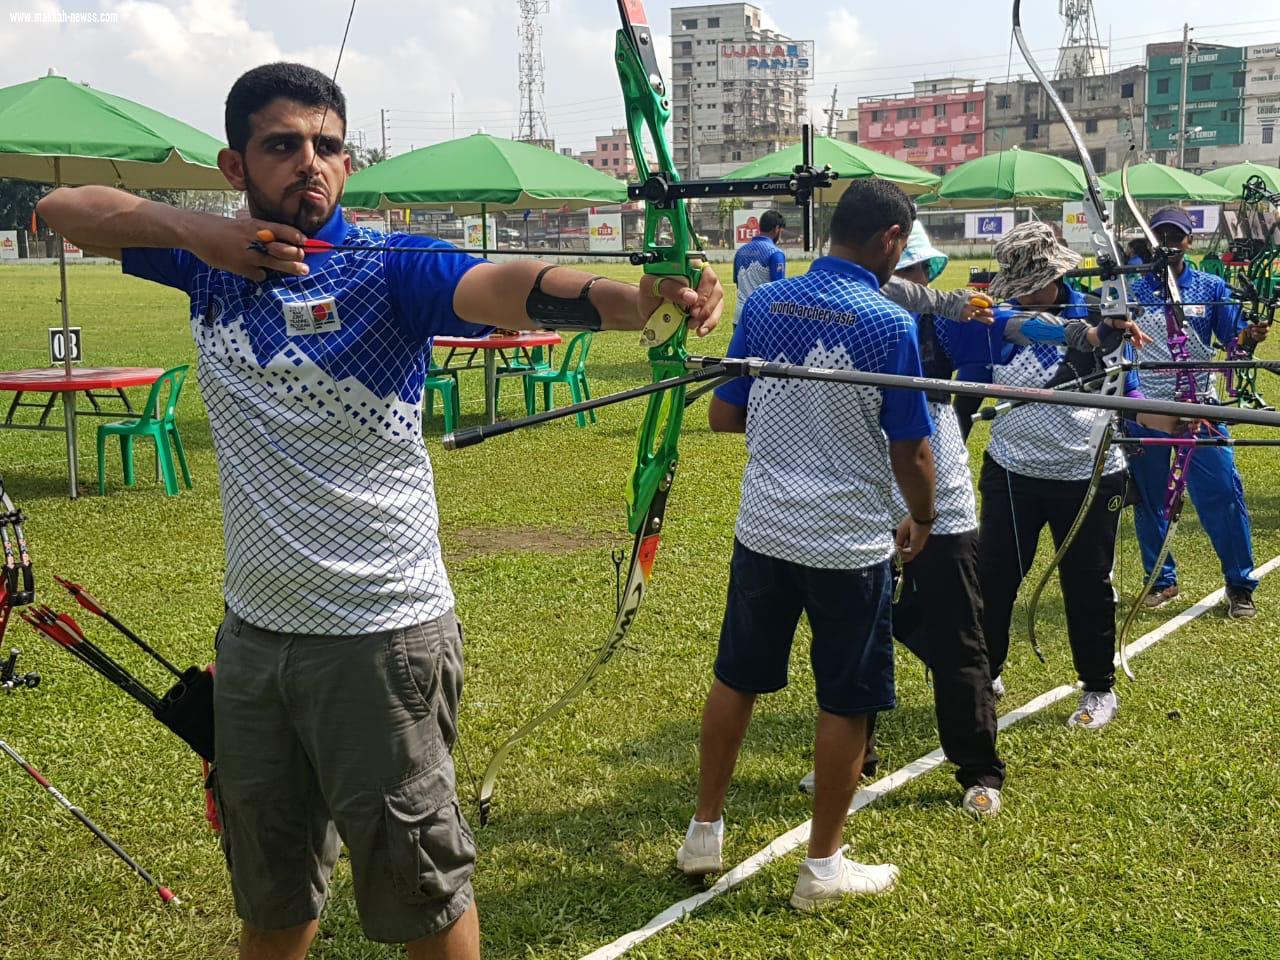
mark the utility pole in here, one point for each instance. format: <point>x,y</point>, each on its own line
<point>1183,126</point>
<point>386,214</point>
<point>453,115</point>
<point>831,112</point>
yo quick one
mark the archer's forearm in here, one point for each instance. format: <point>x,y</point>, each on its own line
<point>913,468</point>
<point>498,294</point>
<point>109,220</point>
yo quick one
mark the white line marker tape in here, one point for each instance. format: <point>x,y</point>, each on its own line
<point>789,841</point>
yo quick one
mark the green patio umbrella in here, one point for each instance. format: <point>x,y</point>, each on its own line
<point>1233,177</point>
<point>62,133</point>
<point>849,160</point>
<point>481,173</point>
<point>1020,176</point>
<point>59,132</point>
<point>1156,181</point>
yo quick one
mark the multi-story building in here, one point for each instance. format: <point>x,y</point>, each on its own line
<point>1107,110</point>
<point>938,126</point>
<point>1215,88</point>
<point>720,124</point>
<point>612,155</point>
<point>1262,101</point>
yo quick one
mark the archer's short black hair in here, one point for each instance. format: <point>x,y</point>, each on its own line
<point>868,206</point>
<point>289,81</point>
<point>771,221</point>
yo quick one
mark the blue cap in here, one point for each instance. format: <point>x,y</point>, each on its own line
<point>1173,217</point>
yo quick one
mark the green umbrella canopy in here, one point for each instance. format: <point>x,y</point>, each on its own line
<point>1233,177</point>
<point>465,173</point>
<point>849,160</point>
<point>1014,175</point>
<point>1155,181</point>
<point>96,137</point>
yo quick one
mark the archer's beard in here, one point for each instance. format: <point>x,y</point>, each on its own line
<point>309,217</point>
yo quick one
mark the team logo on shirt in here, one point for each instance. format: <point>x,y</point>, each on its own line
<point>311,317</point>
<point>212,312</point>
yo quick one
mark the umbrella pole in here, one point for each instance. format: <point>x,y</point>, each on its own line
<point>68,396</point>
<point>484,229</point>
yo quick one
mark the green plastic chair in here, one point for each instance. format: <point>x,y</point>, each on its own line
<point>444,382</point>
<point>161,429</point>
<point>539,362</point>
<point>572,373</point>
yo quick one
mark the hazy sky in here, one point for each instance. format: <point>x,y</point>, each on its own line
<point>182,57</point>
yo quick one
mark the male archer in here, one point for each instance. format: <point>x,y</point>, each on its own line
<point>339,663</point>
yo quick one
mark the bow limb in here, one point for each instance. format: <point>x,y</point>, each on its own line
<point>1184,390</point>
<point>1114,297</point>
<point>668,249</point>
<point>1101,447</point>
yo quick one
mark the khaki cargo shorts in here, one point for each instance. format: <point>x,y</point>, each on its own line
<point>321,738</point>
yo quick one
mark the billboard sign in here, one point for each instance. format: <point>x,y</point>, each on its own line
<point>766,60</point>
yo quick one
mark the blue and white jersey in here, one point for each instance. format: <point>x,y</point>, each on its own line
<point>1033,439</point>
<point>953,483</point>
<point>1208,318</point>
<point>818,486</point>
<point>758,262</point>
<point>314,391</point>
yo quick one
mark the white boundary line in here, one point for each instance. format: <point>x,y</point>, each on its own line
<point>789,841</point>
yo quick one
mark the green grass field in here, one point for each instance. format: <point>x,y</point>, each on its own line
<point>1155,839</point>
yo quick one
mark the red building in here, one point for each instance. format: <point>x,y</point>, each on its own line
<point>938,127</point>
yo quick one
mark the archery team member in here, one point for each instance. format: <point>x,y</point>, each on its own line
<point>1038,465</point>
<point>1212,478</point>
<point>339,664</point>
<point>760,260</point>
<point>813,530</point>
<point>939,617</point>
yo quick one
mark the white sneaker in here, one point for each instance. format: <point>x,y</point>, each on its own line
<point>1096,710</point>
<point>981,802</point>
<point>806,783</point>
<point>853,879</point>
<point>700,853</point>
<point>997,688</point>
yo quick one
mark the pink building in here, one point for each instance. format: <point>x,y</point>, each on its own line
<point>938,128</point>
<point>612,155</point>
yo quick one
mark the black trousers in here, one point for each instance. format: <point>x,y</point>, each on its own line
<point>1015,508</point>
<point>939,619</point>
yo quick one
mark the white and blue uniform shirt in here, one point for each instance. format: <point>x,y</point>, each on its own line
<point>1208,318</point>
<point>953,484</point>
<point>759,261</point>
<point>313,386</point>
<point>818,486</point>
<point>1033,439</point>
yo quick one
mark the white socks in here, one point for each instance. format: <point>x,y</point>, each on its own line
<point>717,827</point>
<point>825,868</point>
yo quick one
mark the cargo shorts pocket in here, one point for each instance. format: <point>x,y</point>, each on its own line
<point>431,851</point>
<point>412,661</point>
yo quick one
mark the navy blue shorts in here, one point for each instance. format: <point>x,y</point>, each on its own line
<point>848,611</point>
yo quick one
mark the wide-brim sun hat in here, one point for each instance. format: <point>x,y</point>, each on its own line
<point>1030,256</point>
<point>920,250</point>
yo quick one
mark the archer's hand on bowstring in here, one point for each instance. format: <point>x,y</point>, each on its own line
<point>237,246</point>
<point>705,304</point>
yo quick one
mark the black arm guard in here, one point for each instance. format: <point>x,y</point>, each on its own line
<point>563,313</point>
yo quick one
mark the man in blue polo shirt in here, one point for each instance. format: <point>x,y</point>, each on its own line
<point>1212,478</point>
<point>339,663</point>
<point>814,530</point>
<point>760,260</point>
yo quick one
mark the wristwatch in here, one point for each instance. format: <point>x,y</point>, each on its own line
<point>926,523</point>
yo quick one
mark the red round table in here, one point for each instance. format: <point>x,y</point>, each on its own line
<point>492,347</point>
<point>56,382</point>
